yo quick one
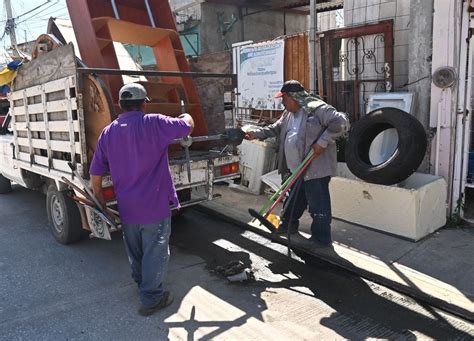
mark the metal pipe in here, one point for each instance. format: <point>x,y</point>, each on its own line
<point>155,73</point>
<point>438,132</point>
<point>312,46</point>
<point>235,68</point>
<point>460,107</point>
<point>150,15</point>
<point>458,154</point>
<point>468,114</point>
<point>114,7</point>
<point>236,47</point>
<point>241,18</point>
<point>186,146</point>
<point>202,138</point>
<point>464,34</point>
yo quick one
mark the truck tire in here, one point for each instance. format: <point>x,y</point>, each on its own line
<point>5,185</point>
<point>63,216</point>
<point>409,154</point>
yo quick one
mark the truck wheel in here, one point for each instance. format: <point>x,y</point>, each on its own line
<point>5,185</point>
<point>63,215</point>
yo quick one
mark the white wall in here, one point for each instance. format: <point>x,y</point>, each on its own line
<point>330,20</point>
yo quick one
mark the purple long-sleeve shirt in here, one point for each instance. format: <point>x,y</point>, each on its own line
<point>134,150</point>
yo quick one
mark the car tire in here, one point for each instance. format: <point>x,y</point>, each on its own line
<point>5,185</point>
<point>409,154</point>
<point>63,216</point>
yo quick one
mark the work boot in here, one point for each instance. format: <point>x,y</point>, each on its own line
<point>283,230</point>
<point>317,244</point>
<point>165,301</point>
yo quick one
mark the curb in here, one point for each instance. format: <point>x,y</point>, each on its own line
<point>410,291</point>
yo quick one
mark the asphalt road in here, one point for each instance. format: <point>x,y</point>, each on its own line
<point>84,291</point>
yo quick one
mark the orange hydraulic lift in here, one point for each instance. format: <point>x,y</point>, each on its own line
<point>99,23</point>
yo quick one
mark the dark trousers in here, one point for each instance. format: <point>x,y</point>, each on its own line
<point>315,195</point>
<point>148,252</point>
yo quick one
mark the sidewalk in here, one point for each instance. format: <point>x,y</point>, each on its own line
<point>437,269</point>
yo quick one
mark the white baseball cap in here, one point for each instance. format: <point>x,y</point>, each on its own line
<point>133,92</point>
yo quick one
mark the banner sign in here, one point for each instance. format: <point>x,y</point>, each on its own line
<point>261,75</point>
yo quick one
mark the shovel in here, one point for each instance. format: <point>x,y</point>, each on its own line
<point>233,136</point>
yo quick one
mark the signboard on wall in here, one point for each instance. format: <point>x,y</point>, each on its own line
<point>261,74</point>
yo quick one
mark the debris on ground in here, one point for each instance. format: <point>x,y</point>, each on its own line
<point>236,271</point>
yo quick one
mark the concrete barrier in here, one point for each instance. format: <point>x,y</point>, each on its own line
<point>412,209</point>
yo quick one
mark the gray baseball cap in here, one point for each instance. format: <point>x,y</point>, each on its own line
<point>133,92</point>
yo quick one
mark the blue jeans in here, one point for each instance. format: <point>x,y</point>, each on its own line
<point>148,253</point>
<point>315,194</point>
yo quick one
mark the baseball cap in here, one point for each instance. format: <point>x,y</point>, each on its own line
<point>289,86</point>
<point>133,92</point>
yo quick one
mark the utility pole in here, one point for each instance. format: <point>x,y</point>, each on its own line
<point>10,27</point>
<point>313,28</point>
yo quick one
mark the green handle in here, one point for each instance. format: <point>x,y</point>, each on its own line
<point>308,158</point>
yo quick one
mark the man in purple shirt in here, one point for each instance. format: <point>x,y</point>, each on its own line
<point>134,150</point>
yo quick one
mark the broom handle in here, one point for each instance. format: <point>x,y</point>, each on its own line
<point>298,175</point>
<point>279,195</point>
<point>306,161</point>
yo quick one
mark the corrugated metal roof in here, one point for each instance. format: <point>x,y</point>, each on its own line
<point>330,5</point>
<point>282,4</point>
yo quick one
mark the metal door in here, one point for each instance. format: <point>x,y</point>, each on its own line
<point>358,61</point>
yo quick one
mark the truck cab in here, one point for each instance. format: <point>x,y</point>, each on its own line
<point>8,171</point>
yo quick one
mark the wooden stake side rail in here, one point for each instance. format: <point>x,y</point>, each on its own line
<point>47,126</point>
<point>53,126</point>
<point>53,106</point>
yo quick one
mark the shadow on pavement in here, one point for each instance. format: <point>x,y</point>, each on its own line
<point>358,311</point>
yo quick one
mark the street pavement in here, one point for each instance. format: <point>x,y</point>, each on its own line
<point>436,270</point>
<point>83,291</point>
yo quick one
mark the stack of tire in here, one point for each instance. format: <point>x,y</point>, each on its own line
<point>408,155</point>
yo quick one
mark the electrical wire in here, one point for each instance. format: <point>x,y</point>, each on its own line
<point>416,81</point>
<point>27,24</point>
<point>36,14</point>
<point>19,28</point>
<point>23,14</point>
<point>49,13</point>
<point>34,9</point>
<point>39,22</point>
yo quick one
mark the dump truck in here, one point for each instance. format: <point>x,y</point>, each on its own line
<point>59,105</point>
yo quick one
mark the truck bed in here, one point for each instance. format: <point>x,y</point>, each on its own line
<point>57,116</point>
